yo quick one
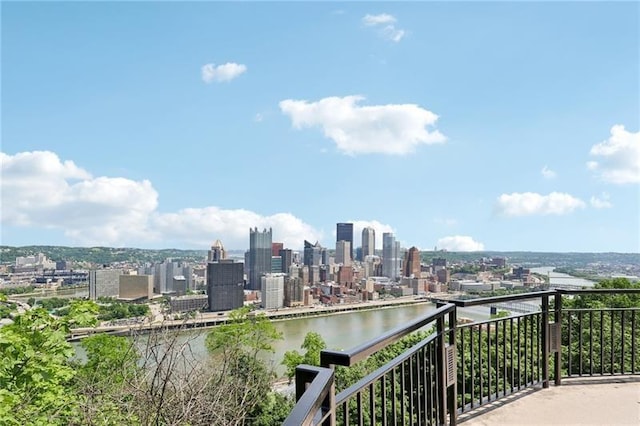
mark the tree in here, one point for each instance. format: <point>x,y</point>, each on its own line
<point>313,343</point>
<point>35,375</point>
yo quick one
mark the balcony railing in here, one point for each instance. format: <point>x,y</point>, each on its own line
<point>461,367</point>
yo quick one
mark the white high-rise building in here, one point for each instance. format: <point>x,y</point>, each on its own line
<point>272,290</point>
<point>368,242</point>
<point>391,262</point>
<point>343,253</point>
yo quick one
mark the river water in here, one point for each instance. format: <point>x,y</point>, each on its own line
<point>339,331</point>
<point>559,278</point>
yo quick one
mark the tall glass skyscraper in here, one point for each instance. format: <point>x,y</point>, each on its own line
<point>391,262</point>
<point>259,256</point>
<point>344,232</point>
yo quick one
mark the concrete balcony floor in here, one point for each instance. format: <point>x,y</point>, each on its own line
<point>602,401</point>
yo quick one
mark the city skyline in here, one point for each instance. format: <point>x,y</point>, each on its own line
<point>466,127</point>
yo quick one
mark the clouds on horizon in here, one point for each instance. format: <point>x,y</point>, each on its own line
<point>395,129</point>
<point>531,203</point>
<point>459,243</point>
<point>46,192</point>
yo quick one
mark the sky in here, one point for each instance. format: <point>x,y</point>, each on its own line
<point>463,126</point>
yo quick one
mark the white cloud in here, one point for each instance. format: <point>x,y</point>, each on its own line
<point>373,20</point>
<point>220,73</point>
<point>459,243</point>
<point>41,191</point>
<point>258,118</point>
<point>387,129</point>
<point>618,158</point>
<point>602,202</point>
<point>547,173</point>
<point>531,203</point>
<point>386,25</point>
<point>380,228</point>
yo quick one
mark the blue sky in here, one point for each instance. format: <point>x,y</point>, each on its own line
<point>466,126</point>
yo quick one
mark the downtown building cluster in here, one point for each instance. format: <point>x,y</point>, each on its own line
<point>277,277</point>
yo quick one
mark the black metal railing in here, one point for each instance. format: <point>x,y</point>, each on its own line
<point>600,341</point>
<point>502,355</point>
<point>460,367</point>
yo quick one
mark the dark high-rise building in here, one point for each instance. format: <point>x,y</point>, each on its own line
<point>368,242</point>
<point>259,256</point>
<point>287,259</point>
<point>312,253</point>
<point>344,232</point>
<point>225,285</point>
<point>411,264</point>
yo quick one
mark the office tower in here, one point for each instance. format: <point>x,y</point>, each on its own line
<point>179,285</point>
<point>324,256</point>
<point>163,274</point>
<point>272,289</point>
<point>312,253</point>
<point>259,256</point>
<point>276,264</point>
<point>104,283</point>
<point>217,252</point>
<point>135,287</point>
<point>343,253</point>
<point>275,248</point>
<point>225,285</point>
<point>293,291</point>
<point>368,242</point>
<point>287,259</point>
<point>411,264</point>
<point>390,256</point>
<point>344,232</point>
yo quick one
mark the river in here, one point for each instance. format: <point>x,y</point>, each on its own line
<point>339,331</point>
<point>561,279</point>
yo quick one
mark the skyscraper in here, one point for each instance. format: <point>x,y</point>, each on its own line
<point>217,252</point>
<point>225,285</point>
<point>368,242</point>
<point>344,232</point>
<point>411,264</point>
<point>272,290</point>
<point>390,256</point>
<point>312,253</point>
<point>259,256</point>
<point>343,253</point>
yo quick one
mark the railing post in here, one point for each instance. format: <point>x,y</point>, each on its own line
<point>442,372</point>
<point>453,398</point>
<point>330,405</point>
<point>545,341</point>
<point>557,318</point>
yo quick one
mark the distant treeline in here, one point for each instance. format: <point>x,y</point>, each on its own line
<point>100,255</point>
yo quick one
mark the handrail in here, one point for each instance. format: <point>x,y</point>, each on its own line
<point>312,399</point>
<point>381,371</point>
<point>601,291</point>
<point>465,303</point>
<point>352,356</point>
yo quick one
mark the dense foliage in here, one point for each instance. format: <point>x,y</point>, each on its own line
<point>148,379</point>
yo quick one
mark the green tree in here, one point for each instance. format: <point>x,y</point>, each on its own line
<point>313,343</point>
<point>35,375</point>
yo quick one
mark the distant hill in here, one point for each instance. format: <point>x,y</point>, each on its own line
<point>533,259</point>
<point>107,255</point>
<point>99,255</point>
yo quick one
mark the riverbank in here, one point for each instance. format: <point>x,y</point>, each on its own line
<point>212,319</point>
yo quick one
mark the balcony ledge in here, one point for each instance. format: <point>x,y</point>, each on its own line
<point>612,400</point>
